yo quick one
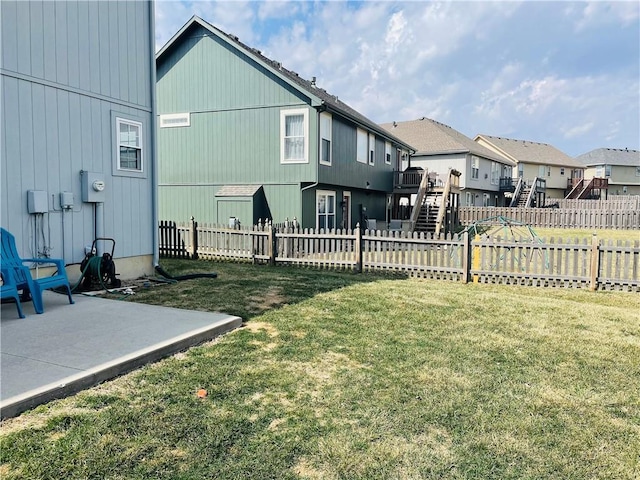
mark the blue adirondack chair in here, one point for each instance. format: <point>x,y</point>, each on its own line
<point>11,261</point>
<point>8,289</point>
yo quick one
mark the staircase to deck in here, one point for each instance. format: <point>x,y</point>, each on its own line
<point>583,190</point>
<point>428,214</point>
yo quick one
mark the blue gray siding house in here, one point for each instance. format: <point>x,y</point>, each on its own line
<point>240,136</point>
<point>78,129</point>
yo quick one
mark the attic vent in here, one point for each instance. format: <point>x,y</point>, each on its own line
<point>175,120</point>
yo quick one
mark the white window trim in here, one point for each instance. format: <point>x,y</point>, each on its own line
<point>469,200</point>
<point>120,121</point>
<point>347,220</point>
<point>320,193</point>
<point>362,132</point>
<point>283,115</point>
<point>326,135</point>
<point>495,173</point>
<point>475,167</point>
<point>371,152</point>
<point>387,153</point>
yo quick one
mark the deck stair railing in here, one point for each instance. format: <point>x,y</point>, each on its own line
<point>517,192</point>
<point>420,199</point>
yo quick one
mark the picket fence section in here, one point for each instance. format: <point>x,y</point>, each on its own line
<point>612,202</point>
<point>592,264</point>
<point>556,217</point>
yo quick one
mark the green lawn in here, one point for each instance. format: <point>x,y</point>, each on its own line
<point>344,376</point>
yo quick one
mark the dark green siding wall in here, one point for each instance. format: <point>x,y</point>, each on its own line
<point>345,170</point>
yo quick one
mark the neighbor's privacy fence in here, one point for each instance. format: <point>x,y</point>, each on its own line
<point>593,263</point>
<point>586,218</point>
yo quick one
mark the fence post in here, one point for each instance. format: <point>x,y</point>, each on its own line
<point>358,248</point>
<point>476,258</point>
<point>595,262</point>
<point>465,257</point>
<point>194,238</point>
<point>272,245</point>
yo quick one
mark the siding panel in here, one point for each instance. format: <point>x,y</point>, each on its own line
<point>23,41</point>
<point>61,48</point>
<point>37,45</point>
<point>9,32</point>
<point>49,46</point>
<point>72,45</point>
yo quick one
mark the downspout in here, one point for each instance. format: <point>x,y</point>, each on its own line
<point>153,136</point>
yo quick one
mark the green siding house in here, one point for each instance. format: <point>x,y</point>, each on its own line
<point>241,138</point>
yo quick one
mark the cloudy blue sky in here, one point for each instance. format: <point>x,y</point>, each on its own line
<point>563,73</point>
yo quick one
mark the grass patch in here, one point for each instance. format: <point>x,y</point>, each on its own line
<point>348,376</point>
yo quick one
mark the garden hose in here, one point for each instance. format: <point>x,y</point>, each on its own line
<point>189,276</point>
<point>95,263</point>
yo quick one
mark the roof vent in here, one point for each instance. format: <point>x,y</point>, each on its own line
<point>394,124</point>
<point>313,81</point>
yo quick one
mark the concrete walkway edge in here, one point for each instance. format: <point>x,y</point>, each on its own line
<point>13,406</point>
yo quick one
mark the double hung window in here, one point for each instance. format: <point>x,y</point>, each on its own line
<point>372,149</point>
<point>475,167</point>
<point>129,148</point>
<point>294,129</point>
<point>362,146</point>
<point>325,138</point>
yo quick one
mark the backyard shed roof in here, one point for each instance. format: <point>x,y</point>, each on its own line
<point>319,97</point>
<point>530,152</point>
<point>434,138</point>
<point>610,156</point>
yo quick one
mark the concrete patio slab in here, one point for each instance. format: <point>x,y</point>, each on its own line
<point>72,347</point>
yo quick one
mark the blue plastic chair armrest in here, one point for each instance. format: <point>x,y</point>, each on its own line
<point>56,261</point>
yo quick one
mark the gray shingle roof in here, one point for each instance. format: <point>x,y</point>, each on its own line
<point>430,137</point>
<point>610,156</point>
<point>532,152</point>
<point>309,86</point>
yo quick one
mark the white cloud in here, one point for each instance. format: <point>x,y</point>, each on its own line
<point>405,60</point>
<point>596,14</point>
<point>579,130</point>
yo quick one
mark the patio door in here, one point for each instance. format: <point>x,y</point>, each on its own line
<point>325,210</point>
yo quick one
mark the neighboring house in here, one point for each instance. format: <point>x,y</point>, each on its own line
<point>241,137</point>
<point>620,167</point>
<point>537,160</point>
<point>78,130</point>
<point>440,148</point>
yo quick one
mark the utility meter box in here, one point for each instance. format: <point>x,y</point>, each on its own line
<point>93,187</point>
<point>37,201</point>
<point>66,200</point>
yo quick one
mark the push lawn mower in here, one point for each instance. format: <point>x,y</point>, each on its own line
<point>99,270</point>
